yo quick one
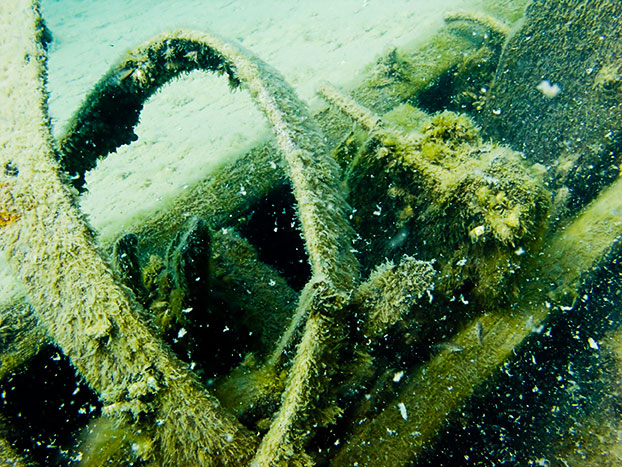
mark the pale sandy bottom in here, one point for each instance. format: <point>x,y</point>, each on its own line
<point>195,123</point>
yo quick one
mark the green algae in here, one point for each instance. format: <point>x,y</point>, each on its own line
<point>478,202</point>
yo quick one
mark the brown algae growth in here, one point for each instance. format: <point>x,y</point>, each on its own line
<point>432,294</point>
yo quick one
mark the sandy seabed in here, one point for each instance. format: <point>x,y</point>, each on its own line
<point>194,124</point>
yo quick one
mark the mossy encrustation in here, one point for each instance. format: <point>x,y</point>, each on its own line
<point>140,379</point>
<point>475,208</point>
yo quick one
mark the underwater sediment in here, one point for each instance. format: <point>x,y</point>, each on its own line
<point>446,291</point>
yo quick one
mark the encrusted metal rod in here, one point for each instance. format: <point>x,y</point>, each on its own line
<point>314,178</point>
<point>20,337</point>
<point>79,302</point>
<point>95,322</point>
<point>444,384</point>
<point>107,118</point>
<point>363,116</point>
<point>328,239</point>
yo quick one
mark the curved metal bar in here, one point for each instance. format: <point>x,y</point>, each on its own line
<point>87,313</point>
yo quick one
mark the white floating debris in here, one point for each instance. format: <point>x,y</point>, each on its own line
<point>462,262</point>
<point>449,347</point>
<point>182,332</point>
<point>549,90</point>
<point>477,232</point>
<point>398,376</point>
<point>542,462</point>
<point>403,411</point>
<point>593,344</point>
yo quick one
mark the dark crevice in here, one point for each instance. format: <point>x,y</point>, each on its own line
<point>273,229</point>
<point>45,406</point>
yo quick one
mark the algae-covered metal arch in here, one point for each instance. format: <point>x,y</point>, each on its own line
<point>110,112</point>
<point>86,312</point>
<point>106,121</point>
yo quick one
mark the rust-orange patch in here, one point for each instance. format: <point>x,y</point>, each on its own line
<point>7,218</point>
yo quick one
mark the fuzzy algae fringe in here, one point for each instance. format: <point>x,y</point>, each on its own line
<point>443,385</point>
<point>83,308</point>
<point>86,312</point>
